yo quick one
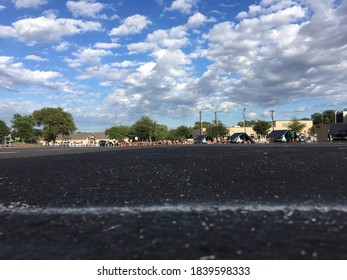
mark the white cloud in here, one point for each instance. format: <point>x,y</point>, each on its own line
<point>13,74</point>
<point>196,20</point>
<point>47,28</point>
<point>124,64</point>
<point>21,4</point>
<point>183,6</point>
<point>85,8</point>
<point>131,25</point>
<point>173,38</point>
<point>35,58</point>
<point>106,45</point>
<point>87,56</point>
<point>279,56</point>
<point>63,46</point>
<point>2,8</point>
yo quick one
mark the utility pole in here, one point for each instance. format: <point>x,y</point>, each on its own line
<point>244,125</point>
<point>200,123</point>
<point>215,118</point>
<point>272,120</point>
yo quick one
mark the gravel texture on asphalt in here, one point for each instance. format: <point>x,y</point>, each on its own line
<point>175,202</point>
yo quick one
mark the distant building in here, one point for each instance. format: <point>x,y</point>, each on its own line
<point>81,138</point>
<point>278,125</point>
<point>240,129</point>
<point>283,125</point>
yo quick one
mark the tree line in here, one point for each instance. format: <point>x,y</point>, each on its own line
<point>48,123</point>
<point>146,129</point>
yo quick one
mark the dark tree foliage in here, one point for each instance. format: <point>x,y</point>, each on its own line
<point>147,129</point>
<point>118,132</point>
<point>23,127</point>
<point>54,121</point>
<point>217,130</point>
<point>261,127</point>
<point>4,129</point>
<point>295,124</point>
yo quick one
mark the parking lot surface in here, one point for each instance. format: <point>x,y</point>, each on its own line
<point>174,202</point>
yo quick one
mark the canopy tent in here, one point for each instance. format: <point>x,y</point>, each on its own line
<point>203,139</point>
<point>239,137</point>
<point>277,135</point>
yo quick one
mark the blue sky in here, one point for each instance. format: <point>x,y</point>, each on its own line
<point>111,62</point>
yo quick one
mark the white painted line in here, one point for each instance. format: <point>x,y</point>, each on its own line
<point>181,208</point>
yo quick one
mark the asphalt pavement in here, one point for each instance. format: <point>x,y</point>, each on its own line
<point>271,201</point>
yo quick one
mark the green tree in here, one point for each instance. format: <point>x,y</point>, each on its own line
<point>55,121</point>
<point>23,127</point>
<point>204,124</point>
<point>261,127</point>
<point>295,124</point>
<point>184,132</point>
<point>147,129</point>
<point>160,132</point>
<point>217,130</point>
<point>118,132</point>
<point>316,118</point>
<point>4,129</point>
<point>248,123</point>
<point>329,116</point>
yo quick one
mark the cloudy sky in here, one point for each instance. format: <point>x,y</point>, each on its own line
<point>111,62</point>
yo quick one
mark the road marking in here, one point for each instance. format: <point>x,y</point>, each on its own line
<point>7,152</point>
<point>180,208</point>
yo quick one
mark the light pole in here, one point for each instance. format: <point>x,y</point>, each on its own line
<point>272,119</point>
<point>200,123</point>
<point>244,125</point>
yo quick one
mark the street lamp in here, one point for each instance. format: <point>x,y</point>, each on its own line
<point>200,123</point>
<point>244,125</point>
<point>272,120</point>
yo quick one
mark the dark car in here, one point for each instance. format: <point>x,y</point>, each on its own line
<point>104,143</point>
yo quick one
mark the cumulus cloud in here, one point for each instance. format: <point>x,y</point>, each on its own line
<point>162,86</point>
<point>173,38</point>
<point>22,4</point>
<point>13,74</point>
<point>63,46</point>
<point>183,6</point>
<point>281,55</point>
<point>196,20</point>
<point>85,8</point>
<point>35,58</point>
<point>131,25</point>
<point>106,45</point>
<point>87,56</point>
<point>275,52</point>
<point>46,28</point>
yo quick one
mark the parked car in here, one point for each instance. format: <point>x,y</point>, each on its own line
<point>104,143</point>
